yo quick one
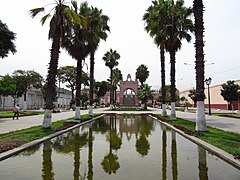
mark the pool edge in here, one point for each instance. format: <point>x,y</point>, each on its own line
<point>213,149</point>
<point>23,147</point>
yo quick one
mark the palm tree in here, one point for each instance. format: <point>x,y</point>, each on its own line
<point>142,73</point>
<point>156,19</point>
<point>96,31</point>
<point>117,77</point>
<point>76,45</point>
<point>145,94</point>
<point>61,19</point>
<point>177,29</point>
<point>199,44</point>
<point>110,58</point>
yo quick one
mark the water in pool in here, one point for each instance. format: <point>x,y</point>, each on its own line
<point>118,147</point>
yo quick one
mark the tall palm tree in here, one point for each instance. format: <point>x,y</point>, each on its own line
<point>142,73</point>
<point>96,32</point>
<point>117,77</point>
<point>199,44</point>
<point>156,19</point>
<point>76,45</point>
<point>178,28</point>
<point>61,19</point>
<point>110,58</point>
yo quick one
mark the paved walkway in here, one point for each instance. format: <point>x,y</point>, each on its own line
<point>8,125</point>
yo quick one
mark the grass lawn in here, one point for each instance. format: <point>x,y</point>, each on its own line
<point>16,138</point>
<point>9,114</point>
<point>227,141</point>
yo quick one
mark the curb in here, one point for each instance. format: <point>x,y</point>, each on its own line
<point>19,149</point>
<point>216,151</point>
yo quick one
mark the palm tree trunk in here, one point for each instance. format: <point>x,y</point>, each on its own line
<point>111,89</point>
<point>199,44</point>
<point>78,89</point>
<point>162,56</point>
<point>90,112</point>
<point>173,86</point>
<point>51,80</point>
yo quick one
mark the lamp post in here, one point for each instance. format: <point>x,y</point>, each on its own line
<point>208,82</point>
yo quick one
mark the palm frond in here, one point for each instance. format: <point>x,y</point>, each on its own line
<point>44,18</point>
<point>34,12</point>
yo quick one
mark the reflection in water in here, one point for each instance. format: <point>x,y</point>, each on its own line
<point>164,153</point>
<point>144,128</point>
<point>90,151</point>
<point>203,169</point>
<point>76,166</point>
<point>47,171</point>
<point>174,156</point>
<point>110,162</point>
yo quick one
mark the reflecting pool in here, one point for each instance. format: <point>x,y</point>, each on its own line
<point>118,147</point>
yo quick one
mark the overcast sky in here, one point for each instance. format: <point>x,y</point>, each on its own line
<point>130,40</point>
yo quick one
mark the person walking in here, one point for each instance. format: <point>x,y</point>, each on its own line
<point>16,111</point>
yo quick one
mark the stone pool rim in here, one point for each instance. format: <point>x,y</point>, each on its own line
<point>212,149</point>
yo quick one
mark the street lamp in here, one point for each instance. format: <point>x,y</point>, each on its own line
<point>208,82</point>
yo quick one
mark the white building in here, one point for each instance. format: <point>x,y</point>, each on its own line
<point>35,100</point>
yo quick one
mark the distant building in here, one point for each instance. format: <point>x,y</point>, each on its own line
<point>35,99</point>
<point>216,98</point>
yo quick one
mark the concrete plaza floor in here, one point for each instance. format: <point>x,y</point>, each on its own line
<point>8,124</point>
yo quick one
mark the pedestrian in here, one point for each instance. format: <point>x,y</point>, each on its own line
<point>16,111</point>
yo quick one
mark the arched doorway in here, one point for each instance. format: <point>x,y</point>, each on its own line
<point>128,92</point>
<point>129,98</point>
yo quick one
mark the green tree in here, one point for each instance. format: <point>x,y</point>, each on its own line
<point>156,19</point>
<point>117,77</point>
<point>111,60</point>
<point>6,41</point>
<point>230,92</point>
<point>193,95</point>
<point>24,80</point>
<point>61,19</point>
<point>76,45</point>
<point>142,73</point>
<point>101,89</point>
<point>198,9</point>
<point>68,75</point>
<point>145,94</point>
<point>6,88</point>
<point>96,31</point>
<point>178,28</point>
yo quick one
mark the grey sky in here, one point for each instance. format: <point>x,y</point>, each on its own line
<point>222,26</point>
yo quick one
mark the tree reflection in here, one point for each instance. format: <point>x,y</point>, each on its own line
<point>110,162</point>
<point>164,153</point>
<point>202,166</point>
<point>72,142</point>
<point>47,173</point>
<point>144,127</point>
<point>90,151</point>
<point>142,145</point>
<point>174,156</point>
